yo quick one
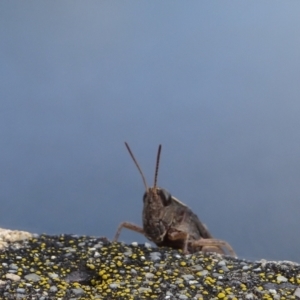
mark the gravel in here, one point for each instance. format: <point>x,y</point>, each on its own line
<point>75,267</point>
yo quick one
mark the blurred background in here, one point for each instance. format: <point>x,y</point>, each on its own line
<point>216,83</point>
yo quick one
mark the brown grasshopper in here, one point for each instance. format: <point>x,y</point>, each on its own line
<point>169,222</point>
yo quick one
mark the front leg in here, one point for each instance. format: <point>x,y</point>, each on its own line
<point>180,235</point>
<point>130,226</point>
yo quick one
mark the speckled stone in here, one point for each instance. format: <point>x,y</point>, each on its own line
<point>81,267</point>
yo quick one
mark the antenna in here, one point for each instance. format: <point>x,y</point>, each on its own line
<point>136,163</point>
<point>157,165</point>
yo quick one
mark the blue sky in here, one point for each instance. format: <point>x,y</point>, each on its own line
<point>216,83</point>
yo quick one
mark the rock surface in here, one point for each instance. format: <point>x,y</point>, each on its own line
<point>84,267</point>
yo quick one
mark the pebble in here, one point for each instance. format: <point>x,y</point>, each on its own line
<point>187,277</point>
<point>12,277</point>
<point>149,275</point>
<point>155,256</point>
<point>32,277</point>
<point>13,267</point>
<point>281,279</point>
<point>53,275</point>
<point>144,290</point>
<point>148,245</point>
<point>78,292</point>
<point>221,263</point>
<point>297,292</point>
<point>133,272</point>
<point>53,289</point>
<point>198,268</point>
<point>203,273</point>
<point>114,285</point>
<point>97,254</point>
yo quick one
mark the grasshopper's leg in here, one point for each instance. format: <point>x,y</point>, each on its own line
<point>213,243</point>
<point>130,226</point>
<point>180,235</point>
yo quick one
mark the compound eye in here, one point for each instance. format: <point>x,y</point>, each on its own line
<point>165,196</point>
<point>144,197</point>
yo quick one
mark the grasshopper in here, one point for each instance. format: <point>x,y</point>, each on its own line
<point>168,222</point>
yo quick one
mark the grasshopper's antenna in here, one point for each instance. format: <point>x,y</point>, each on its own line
<point>157,165</point>
<point>136,163</point>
